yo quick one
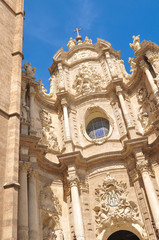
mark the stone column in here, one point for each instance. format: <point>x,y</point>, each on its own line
<point>23,203</point>
<point>33,207</point>
<point>142,166</point>
<point>153,86</point>
<point>32,98</point>
<point>125,110</point>
<point>66,120</point>
<point>76,208</point>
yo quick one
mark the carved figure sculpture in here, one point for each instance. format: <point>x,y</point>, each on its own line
<point>30,72</point>
<point>25,112</point>
<point>71,43</point>
<point>147,110</point>
<point>132,65</point>
<point>113,206</point>
<point>87,40</point>
<point>88,80</point>
<point>48,137</point>
<point>136,43</point>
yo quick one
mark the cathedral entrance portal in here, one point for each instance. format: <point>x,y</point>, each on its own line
<point>123,235</point>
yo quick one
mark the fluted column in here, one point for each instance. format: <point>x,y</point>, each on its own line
<point>66,119</point>
<point>23,203</point>
<point>142,166</point>
<point>76,208</point>
<point>33,207</point>
<point>153,86</point>
<point>32,99</point>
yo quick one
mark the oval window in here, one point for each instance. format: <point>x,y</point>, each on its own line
<point>98,128</point>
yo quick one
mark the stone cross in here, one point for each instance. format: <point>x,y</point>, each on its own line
<point>77,30</point>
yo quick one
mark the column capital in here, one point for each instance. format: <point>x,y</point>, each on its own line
<point>33,173</point>
<point>73,180</point>
<point>142,166</point>
<point>23,166</point>
<point>64,102</point>
<point>118,89</point>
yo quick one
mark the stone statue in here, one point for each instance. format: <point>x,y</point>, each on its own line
<point>87,40</point>
<point>136,43</point>
<point>30,72</point>
<point>25,112</point>
<point>71,43</point>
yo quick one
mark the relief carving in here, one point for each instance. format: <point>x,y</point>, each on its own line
<point>83,54</point>
<point>147,110</point>
<point>48,137</point>
<point>88,80</point>
<point>50,212</point>
<point>114,207</point>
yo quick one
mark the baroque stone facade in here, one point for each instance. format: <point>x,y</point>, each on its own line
<point>80,162</point>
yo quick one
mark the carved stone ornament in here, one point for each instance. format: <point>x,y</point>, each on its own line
<point>113,207</point>
<point>87,40</point>
<point>48,137</point>
<point>147,110</point>
<point>50,212</point>
<point>88,80</point>
<point>71,43</point>
<point>30,72</point>
<point>136,43</point>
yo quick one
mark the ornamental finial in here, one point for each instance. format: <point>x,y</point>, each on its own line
<point>78,38</point>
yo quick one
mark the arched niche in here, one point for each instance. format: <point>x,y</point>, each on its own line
<point>123,235</point>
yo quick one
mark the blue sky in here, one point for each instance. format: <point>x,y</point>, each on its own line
<point>49,24</point>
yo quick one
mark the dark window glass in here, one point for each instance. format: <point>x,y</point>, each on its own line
<point>98,128</point>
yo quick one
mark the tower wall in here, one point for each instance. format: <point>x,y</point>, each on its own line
<point>11,28</point>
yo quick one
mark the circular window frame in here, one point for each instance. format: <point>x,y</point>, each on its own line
<point>92,113</point>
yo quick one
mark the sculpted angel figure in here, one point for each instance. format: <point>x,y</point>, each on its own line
<point>30,72</point>
<point>71,43</point>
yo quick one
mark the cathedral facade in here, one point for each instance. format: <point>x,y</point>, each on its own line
<point>82,161</point>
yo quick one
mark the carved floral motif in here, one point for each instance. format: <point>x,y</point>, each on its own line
<point>113,206</point>
<point>48,137</point>
<point>147,110</point>
<point>88,80</point>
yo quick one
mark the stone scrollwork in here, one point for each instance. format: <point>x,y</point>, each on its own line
<point>88,80</point>
<point>48,137</point>
<point>50,213</point>
<point>147,110</point>
<point>114,207</point>
<point>43,90</point>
